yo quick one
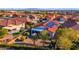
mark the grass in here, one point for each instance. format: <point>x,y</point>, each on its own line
<point>14,34</point>
<point>21,47</point>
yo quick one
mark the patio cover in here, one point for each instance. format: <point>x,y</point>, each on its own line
<point>39,28</point>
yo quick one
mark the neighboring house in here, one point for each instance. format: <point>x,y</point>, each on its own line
<point>15,28</point>
<point>13,24</point>
<point>15,21</point>
<point>69,24</point>
<point>76,27</point>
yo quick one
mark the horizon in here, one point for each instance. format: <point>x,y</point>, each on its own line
<point>39,8</point>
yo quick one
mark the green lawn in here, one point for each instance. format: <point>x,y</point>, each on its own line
<point>14,34</point>
<point>21,47</point>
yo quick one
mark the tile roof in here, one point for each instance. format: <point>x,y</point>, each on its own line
<point>15,21</point>
<point>53,29</point>
<point>68,24</point>
<point>76,27</point>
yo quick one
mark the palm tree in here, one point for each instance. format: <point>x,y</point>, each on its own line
<point>34,38</point>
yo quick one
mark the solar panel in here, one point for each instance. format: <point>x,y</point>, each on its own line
<point>51,24</point>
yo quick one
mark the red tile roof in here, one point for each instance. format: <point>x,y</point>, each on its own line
<point>15,21</point>
<point>53,29</point>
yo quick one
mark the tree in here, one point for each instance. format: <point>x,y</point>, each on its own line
<point>23,38</point>
<point>66,38</point>
<point>28,25</point>
<point>44,36</point>
<point>77,19</point>
<point>3,32</point>
<point>27,34</point>
<point>34,38</point>
<point>27,12</point>
<point>64,43</point>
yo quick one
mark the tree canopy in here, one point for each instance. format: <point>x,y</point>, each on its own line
<point>67,37</point>
<point>3,32</point>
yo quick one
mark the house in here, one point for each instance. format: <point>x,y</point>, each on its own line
<point>69,24</point>
<point>52,26</point>
<point>61,19</point>
<point>15,28</point>
<point>76,27</point>
<point>13,24</point>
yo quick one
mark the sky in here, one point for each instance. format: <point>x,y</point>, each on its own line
<point>39,4</point>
